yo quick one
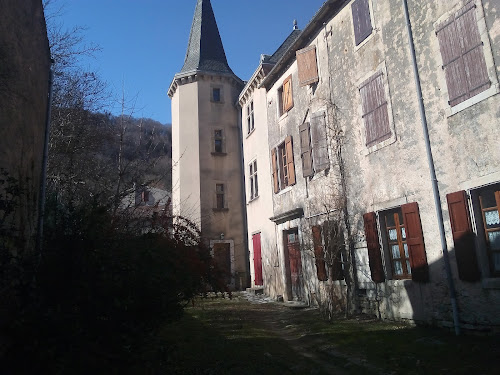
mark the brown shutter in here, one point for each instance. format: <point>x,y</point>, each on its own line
<point>415,241</point>
<point>275,170</point>
<point>473,51</point>
<point>319,142</point>
<point>318,254</point>
<point>289,160</point>
<point>305,150</point>
<point>463,236</point>
<point>361,20</point>
<point>375,110</point>
<point>373,244</point>
<point>307,65</point>
<point>287,94</point>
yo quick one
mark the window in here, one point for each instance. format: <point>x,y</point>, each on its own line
<point>220,196</point>
<point>282,165</point>
<point>216,97</point>
<point>328,241</point>
<point>285,97</point>
<point>145,196</point>
<point>219,141</point>
<point>403,244</point>
<point>463,57</point>
<point>307,66</point>
<point>361,20</point>
<point>314,152</point>
<point>375,110</point>
<point>250,118</point>
<point>486,206</point>
<point>254,185</point>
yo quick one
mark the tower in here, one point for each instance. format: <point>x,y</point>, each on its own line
<point>207,176</point>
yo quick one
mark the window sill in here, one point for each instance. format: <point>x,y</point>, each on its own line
<point>251,132</point>
<point>493,90</point>
<point>253,199</point>
<point>220,209</point>
<point>380,145</point>
<point>365,41</point>
<point>219,153</point>
<point>284,191</point>
<point>491,283</point>
<point>283,116</point>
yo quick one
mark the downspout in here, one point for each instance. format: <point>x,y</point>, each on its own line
<point>43,177</point>
<point>435,187</point>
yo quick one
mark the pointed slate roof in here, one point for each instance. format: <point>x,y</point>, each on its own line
<point>205,52</point>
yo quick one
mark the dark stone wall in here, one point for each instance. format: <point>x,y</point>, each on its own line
<point>24,76</point>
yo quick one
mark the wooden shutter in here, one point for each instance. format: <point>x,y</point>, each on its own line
<point>373,244</point>
<point>463,56</point>
<point>375,111</point>
<point>275,171</point>
<point>319,142</point>
<point>361,20</point>
<point>463,236</point>
<point>415,241</point>
<point>307,65</point>
<point>318,254</point>
<point>305,150</point>
<point>287,94</point>
<point>289,160</point>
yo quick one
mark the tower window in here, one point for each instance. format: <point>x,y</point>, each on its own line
<point>218,141</point>
<point>216,97</point>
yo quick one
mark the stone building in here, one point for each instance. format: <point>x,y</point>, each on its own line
<point>24,86</point>
<point>206,146</point>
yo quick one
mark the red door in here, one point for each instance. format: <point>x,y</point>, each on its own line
<point>257,259</point>
<point>295,263</point>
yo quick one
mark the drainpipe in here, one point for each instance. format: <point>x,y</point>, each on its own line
<point>41,201</point>
<point>435,187</point>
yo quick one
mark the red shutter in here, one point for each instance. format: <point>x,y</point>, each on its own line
<point>257,260</point>
<point>373,244</point>
<point>275,170</point>
<point>305,150</point>
<point>289,160</point>
<point>415,241</point>
<point>319,142</point>
<point>361,20</point>
<point>307,65</point>
<point>463,236</point>
<point>318,254</point>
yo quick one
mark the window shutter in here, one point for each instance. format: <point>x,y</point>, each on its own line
<point>318,254</point>
<point>463,236</point>
<point>275,171</point>
<point>319,142</point>
<point>289,160</point>
<point>307,66</point>
<point>373,244</point>
<point>415,241</point>
<point>287,94</point>
<point>305,150</point>
<point>375,111</point>
<point>361,20</point>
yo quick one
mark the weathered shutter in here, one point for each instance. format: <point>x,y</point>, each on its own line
<point>373,245</point>
<point>361,20</point>
<point>318,254</point>
<point>463,236</point>
<point>319,142</point>
<point>415,241</point>
<point>375,110</point>
<point>307,65</point>
<point>305,150</point>
<point>287,94</point>
<point>473,51</point>
<point>275,170</point>
<point>289,160</point>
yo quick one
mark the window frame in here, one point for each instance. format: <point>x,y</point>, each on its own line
<point>283,105</point>
<point>365,39</point>
<point>253,180</point>
<point>400,241</point>
<point>213,97</point>
<point>216,138</point>
<point>250,118</point>
<point>220,203</point>
<point>283,165</point>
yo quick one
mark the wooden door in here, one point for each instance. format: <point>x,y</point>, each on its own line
<point>257,260</point>
<point>294,263</point>
<point>222,258</point>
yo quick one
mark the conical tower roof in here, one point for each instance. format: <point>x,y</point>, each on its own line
<point>205,52</point>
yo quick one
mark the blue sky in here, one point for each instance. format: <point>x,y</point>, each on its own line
<point>144,41</point>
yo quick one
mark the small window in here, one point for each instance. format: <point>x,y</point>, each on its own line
<point>361,20</point>
<point>220,196</point>
<point>218,141</point>
<point>216,94</point>
<point>285,96</point>
<point>254,185</point>
<point>395,234</point>
<point>375,110</point>
<point>489,201</point>
<point>282,165</point>
<point>250,118</point>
